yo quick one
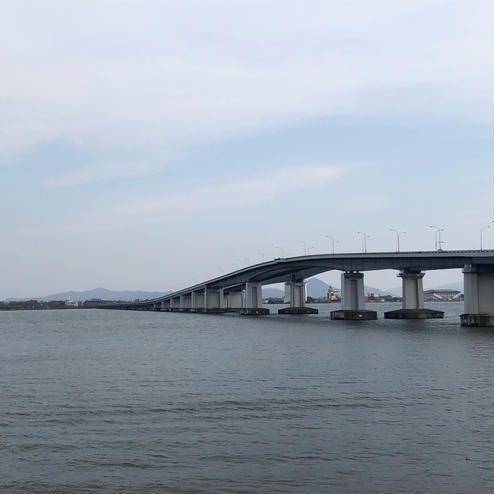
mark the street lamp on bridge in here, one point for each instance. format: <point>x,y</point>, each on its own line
<point>305,246</point>
<point>398,233</point>
<point>364,241</point>
<point>281,251</point>
<point>437,237</point>
<point>481,231</point>
<point>333,241</point>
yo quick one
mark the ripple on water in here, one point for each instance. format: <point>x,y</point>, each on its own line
<point>101,401</point>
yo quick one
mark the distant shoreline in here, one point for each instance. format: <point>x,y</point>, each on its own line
<point>7,307</point>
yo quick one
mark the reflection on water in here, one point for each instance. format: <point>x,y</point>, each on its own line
<point>138,402</point>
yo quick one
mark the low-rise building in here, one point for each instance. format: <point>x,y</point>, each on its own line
<point>334,295</point>
<point>442,295</point>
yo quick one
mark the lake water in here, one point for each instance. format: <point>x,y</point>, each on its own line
<point>143,402</point>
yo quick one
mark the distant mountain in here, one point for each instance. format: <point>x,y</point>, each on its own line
<point>317,288</point>
<point>97,293</point>
<point>396,291</point>
<point>272,293</point>
<point>377,291</point>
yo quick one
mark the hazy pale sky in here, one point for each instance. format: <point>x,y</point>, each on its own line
<point>153,144</point>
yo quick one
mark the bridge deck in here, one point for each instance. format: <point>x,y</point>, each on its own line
<point>301,267</point>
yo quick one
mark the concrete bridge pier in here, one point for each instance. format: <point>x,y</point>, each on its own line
<point>174,304</point>
<point>197,301</point>
<point>353,299</point>
<point>413,298</point>
<point>479,296</point>
<point>223,299</point>
<point>214,301</point>
<point>295,294</point>
<point>186,302</point>
<point>234,301</point>
<point>165,305</point>
<point>253,300</point>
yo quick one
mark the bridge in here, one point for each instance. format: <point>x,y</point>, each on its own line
<point>241,290</point>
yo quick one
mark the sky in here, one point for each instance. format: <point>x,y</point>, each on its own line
<point>155,144</point>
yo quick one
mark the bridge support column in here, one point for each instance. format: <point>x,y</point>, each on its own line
<point>223,299</point>
<point>413,299</point>
<point>186,302</point>
<point>234,301</point>
<point>214,301</point>
<point>353,299</point>
<point>479,296</point>
<point>175,304</point>
<point>165,305</point>
<point>198,300</point>
<point>253,300</point>
<point>295,294</point>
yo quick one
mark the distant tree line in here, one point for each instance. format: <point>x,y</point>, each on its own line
<point>33,305</point>
<point>54,304</point>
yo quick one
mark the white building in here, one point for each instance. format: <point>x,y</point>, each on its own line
<point>444,295</point>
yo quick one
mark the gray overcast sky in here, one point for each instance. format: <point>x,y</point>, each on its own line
<point>151,144</point>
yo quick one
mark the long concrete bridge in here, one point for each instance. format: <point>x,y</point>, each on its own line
<point>241,291</point>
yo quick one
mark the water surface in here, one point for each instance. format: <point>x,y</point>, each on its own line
<point>144,402</point>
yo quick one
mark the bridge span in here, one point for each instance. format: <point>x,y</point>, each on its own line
<point>241,290</point>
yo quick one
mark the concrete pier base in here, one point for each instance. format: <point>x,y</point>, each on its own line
<point>252,311</point>
<point>216,310</point>
<point>413,298</point>
<point>477,320</point>
<point>353,299</point>
<point>202,310</point>
<point>479,296</point>
<point>414,314</point>
<point>354,315</point>
<point>298,310</point>
<point>295,295</point>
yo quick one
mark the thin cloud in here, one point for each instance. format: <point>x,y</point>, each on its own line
<point>173,74</point>
<point>98,172</point>
<point>366,204</point>
<point>245,191</point>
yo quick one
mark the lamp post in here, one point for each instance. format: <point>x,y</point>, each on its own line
<point>398,233</point>
<point>333,241</point>
<point>481,231</point>
<point>281,251</point>
<point>262,255</point>
<point>305,246</point>
<point>364,241</point>
<point>437,237</point>
<point>309,248</point>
